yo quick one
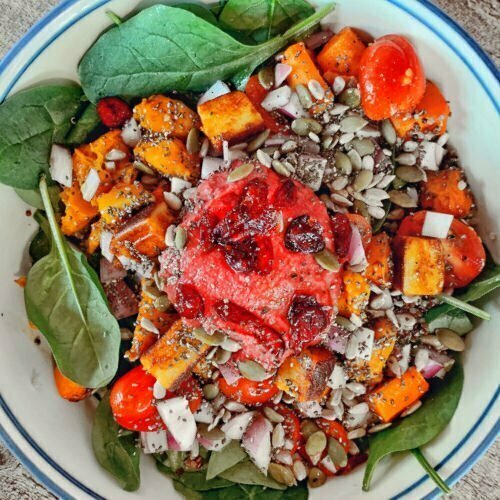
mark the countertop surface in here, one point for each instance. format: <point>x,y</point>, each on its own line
<point>481,18</point>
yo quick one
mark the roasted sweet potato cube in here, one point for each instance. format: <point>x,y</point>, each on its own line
<point>169,157</point>
<point>122,201</point>
<point>94,239</point>
<point>160,114</point>
<point>379,256</point>
<point>355,293</point>
<point>231,117</point>
<point>420,265</point>
<point>79,213</point>
<point>305,376</point>
<point>171,359</point>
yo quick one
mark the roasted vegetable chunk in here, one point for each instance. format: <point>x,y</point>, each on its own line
<point>79,213</point>
<point>420,266</point>
<point>171,359</point>
<point>379,256</point>
<point>230,117</point>
<point>68,389</point>
<point>304,376</point>
<point>355,293</point>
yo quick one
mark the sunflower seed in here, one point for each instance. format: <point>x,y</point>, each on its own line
<point>266,77</point>
<point>148,325</point>
<point>280,168</point>
<point>386,181</point>
<point>222,356</point>
<point>362,180</point>
<point>304,96</point>
<point>406,159</point>
<point>180,238</point>
<point>352,124</point>
<point>355,158</point>
<point>316,443</point>
<point>193,141</point>
<point>431,340</point>
<point>368,163</point>
<point>389,132</point>
<point>345,138</point>
<point>258,141</point>
<point>299,470</point>
<point>450,339</point>
<point>273,416</point>
<point>215,339</point>
<point>173,201</point>
<point>338,85</point>
<point>264,158</point>
<point>376,212</point>
<point>338,109</point>
<point>402,199</point>
<point>289,146</point>
<point>412,409</point>
<point>327,261</point>
<point>314,137</point>
<point>356,434</point>
<point>343,163</point>
<point>337,453</point>
<point>376,179</point>
<point>339,183</point>
<point>278,437</point>
<point>241,172</point>
<point>170,236</point>
<point>143,168</point>
<point>341,200</point>
<point>363,146</point>
<point>351,98</point>
<point>317,91</point>
<point>327,142</point>
<point>410,146</point>
<point>210,391</point>
<point>379,427</point>
<point>253,370</point>
<point>281,474</point>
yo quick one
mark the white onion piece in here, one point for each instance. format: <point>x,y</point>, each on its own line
<point>431,155</point>
<point>216,90</point>
<point>178,185</point>
<point>205,415</point>
<point>365,338</point>
<point>91,185</point>
<point>116,155</point>
<point>281,72</point>
<point>172,443</point>
<point>257,442</point>
<point>236,427</point>
<point>230,373</point>
<point>338,378</point>
<point>431,369</point>
<point>356,253</point>
<point>177,416</point>
<point>61,165</point>
<point>293,109</point>
<point>154,442</point>
<point>277,98</point>
<point>437,225</point>
<point>310,409</point>
<point>211,165</point>
<point>131,133</point>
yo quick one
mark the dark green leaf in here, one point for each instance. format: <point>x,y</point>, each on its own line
<point>422,426</point>
<point>222,460</point>
<point>198,10</point>
<point>33,198</point>
<point>40,244</point>
<point>117,454</point>
<point>163,48</point>
<point>85,124</point>
<point>247,473</point>
<point>455,320</point>
<point>432,473</point>
<point>66,302</point>
<point>32,120</point>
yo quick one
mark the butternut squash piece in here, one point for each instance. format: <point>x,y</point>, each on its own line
<point>231,117</point>
<point>169,157</point>
<point>420,265</point>
<point>393,397</point>
<point>94,239</point>
<point>379,256</point>
<point>304,376</point>
<point>441,193</point>
<point>79,213</point>
<point>172,358</point>
<point>68,389</point>
<point>355,293</point>
<point>341,55</point>
<point>160,114</point>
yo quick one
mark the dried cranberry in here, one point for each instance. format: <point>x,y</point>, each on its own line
<point>262,224</point>
<point>189,302</point>
<point>286,195</point>
<point>254,198</point>
<point>113,112</point>
<point>304,235</point>
<point>307,319</point>
<point>204,230</point>
<point>241,256</point>
<point>230,227</point>
<point>229,311</point>
<point>342,232</point>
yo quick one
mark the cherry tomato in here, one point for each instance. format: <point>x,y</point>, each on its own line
<point>291,424</point>
<point>249,392</point>
<point>131,401</point>
<point>464,252</point>
<point>363,226</point>
<point>391,77</point>
<point>334,430</point>
<point>191,390</point>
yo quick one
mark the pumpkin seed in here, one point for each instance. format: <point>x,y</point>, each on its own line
<point>450,339</point>
<point>280,168</point>
<point>300,127</point>
<point>162,303</point>
<point>343,163</point>
<point>210,391</point>
<point>389,132</point>
<point>314,137</point>
<point>314,126</point>
<point>327,142</point>
<point>215,339</point>
<point>431,340</point>
<point>193,143</point>
<point>222,356</point>
<point>361,208</point>
<point>241,172</point>
<point>180,238</point>
<point>338,85</point>
<point>304,96</point>
<point>398,183</point>
<point>281,474</point>
<point>172,200</point>
<point>258,141</point>
<point>337,453</point>
<point>363,180</point>
<point>253,370</point>
<point>341,200</point>
<point>396,214</point>
<point>410,146</point>
<point>150,289</point>
<point>308,427</point>
<point>266,77</point>
<point>352,124</point>
<point>369,163</point>
<point>339,183</point>
<point>402,199</point>
<point>327,260</point>
<point>273,415</point>
<point>363,146</point>
<point>299,470</point>
<point>376,212</point>
<point>143,168</point>
<point>278,436</point>
<point>316,477</point>
<point>316,443</point>
<point>350,97</point>
<point>410,173</point>
<point>406,159</point>
<point>355,158</point>
<point>214,434</point>
<point>379,427</point>
<point>289,147</point>
<point>317,91</point>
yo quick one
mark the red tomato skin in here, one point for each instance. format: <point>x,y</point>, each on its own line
<point>248,392</point>
<point>131,401</point>
<point>392,78</point>
<point>191,390</point>
<point>291,424</point>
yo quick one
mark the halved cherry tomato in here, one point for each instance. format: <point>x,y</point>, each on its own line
<point>249,392</point>
<point>291,425</point>
<point>334,430</point>
<point>391,77</point>
<point>463,249</point>
<point>131,401</point>
<point>342,233</point>
<point>364,227</point>
<point>191,390</point>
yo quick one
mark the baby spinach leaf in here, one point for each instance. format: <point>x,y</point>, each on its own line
<point>86,122</point>
<point>33,198</point>
<point>223,460</point>
<point>431,471</point>
<point>66,302</point>
<point>164,48</point>
<point>117,454</point>
<point>422,426</point>
<point>32,120</point>
<point>455,320</point>
<point>247,473</point>
<point>199,10</point>
<point>40,244</point>
<point>263,19</point>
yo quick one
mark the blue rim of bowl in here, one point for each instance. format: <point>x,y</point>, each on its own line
<point>60,9</point>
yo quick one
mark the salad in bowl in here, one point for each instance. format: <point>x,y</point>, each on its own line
<point>257,250</point>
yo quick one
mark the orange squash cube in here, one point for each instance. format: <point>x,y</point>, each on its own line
<point>79,213</point>
<point>355,293</point>
<point>379,256</point>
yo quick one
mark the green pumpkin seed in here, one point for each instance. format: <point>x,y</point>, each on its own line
<point>241,172</point>
<point>281,474</point>
<point>327,261</point>
<point>193,142</point>
<point>327,142</point>
<point>304,96</point>
<point>410,173</point>
<point>289,147</point>
<point>398,183</point>
<point>363,180</point>
<point>352,124</point>
<point>350,97</point>
<point>314,126</point>
<point>273,415</point>
<point>162,303</point>
<point>363,146</point>
<point>308,427</point>
<point>316,478</point>
<point>210,391</point>
<point>280,169</point>
<point>214,434</point>
<point>300,127</point>
<point>150,289</point>
<point>389,132</point>
<point>355,158</point>
<point>337,453</point>
<point>257,142</point>
<point>180,238</point>
<point>343,163</point>
<point>266,77</point>
<point>316,443</point>
<point>402,199</point>
<point>253,370</point>
<point>450,339</point>
<point>222,356</point>
<point>215,339</point>
<point>144,168</point>
<point>406,159</point>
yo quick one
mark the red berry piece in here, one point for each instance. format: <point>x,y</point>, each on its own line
<point>189,302</point>
<point>342,232</point>
<point>254,198</point>
<point>286,195</point>
<point>308,319</point>
<point>265,255</point>
<point>241,256</point>
<point>304,235</point>
<point>113,111</point>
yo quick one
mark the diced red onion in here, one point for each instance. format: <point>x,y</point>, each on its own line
<point>257,442</point>
<point>179,420</point>
<point>236,427</point>
<point>356,253</point>
<point>154,442</point>
<point>277,98</point>
<point>281,72</point>
<point>218,89</point>
<point>108,272</point>
<point>211,165</point>
<point>293,109</point>
<point>172,443</point>
<point>431,369</point>
<point>61,165</point>
<point>131,133</point>
<point>230,373</point>
<point>91,185</point>
<point>437,225</point>
<point>318,39</point>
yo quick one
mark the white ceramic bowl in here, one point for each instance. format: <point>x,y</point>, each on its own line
<point>52,437</point>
